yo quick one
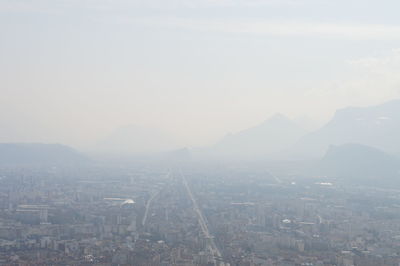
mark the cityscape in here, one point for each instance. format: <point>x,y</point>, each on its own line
<point>189,214</point>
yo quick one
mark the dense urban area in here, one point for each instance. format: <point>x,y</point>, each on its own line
<point>147,214</point>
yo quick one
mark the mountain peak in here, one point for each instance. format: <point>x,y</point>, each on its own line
<point>273,135</point>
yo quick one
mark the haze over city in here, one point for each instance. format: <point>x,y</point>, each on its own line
<point>76,71</point>
<point>199,133</point>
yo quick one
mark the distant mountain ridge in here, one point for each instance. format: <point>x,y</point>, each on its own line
<point>273,135</point>
<point>360,161</point>
<point>39,153</point>
<point>376,126</point>
<point>360,165</point>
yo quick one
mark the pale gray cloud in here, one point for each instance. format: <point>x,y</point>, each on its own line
<point>352,31</point>
<point>38,5</point>
<point>371,80</point>
<point>388,64</point>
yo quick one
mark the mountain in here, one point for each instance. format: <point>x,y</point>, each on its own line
<point>135,140</point>
<point>38,153</point>
<point>376,126</point>
<point>359,162</point>
<point>274,135</point>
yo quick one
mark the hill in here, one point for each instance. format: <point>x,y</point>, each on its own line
<point>38,153</point>
<point>376,126</point>
<point>274,135</point>
<point>359,162</point>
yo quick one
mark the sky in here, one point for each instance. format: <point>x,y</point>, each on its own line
<point>72,71</point>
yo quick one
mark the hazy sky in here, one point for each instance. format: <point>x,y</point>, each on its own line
<point>74,70</point>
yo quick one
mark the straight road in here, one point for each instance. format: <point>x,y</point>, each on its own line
<point>148,204</point>
<point>210,240</point>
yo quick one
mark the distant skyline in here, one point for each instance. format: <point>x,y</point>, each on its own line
<point>74,71</point>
